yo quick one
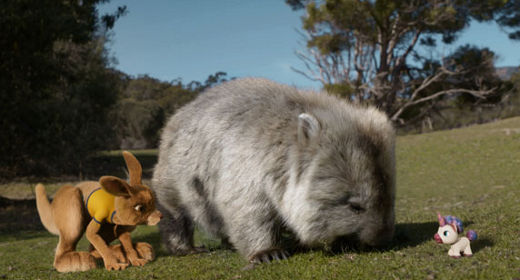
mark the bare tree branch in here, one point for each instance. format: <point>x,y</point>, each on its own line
<point>476,93</point>
<point>373,55</point>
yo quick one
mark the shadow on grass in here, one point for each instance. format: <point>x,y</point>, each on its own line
<point>153,239</point>
<point>480,244</point>
<point>201,239</point>
<point>413,234</point>
<point>10,236</point>
<point>406,235</point>
<point>19,220</point>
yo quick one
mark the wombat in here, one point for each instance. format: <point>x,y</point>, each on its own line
<point>250,156</point>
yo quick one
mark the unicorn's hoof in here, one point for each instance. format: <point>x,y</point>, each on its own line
<point>455,257</point>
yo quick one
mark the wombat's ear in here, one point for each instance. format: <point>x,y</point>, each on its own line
<point>115,186</point>
<point>309,128</point>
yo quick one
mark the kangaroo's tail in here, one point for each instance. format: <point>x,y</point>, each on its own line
<point>44,209</point>
<point>471,235</point>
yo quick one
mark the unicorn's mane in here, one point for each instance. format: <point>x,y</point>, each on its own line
<point>449,219</point>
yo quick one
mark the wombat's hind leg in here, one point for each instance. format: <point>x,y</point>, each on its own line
<point>266,256</point>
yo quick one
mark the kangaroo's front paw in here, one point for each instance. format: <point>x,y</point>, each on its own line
<point>112,264</point>
<point>266,256</point>
<point>137,261</point>
<point>144,250</point>
<point>117,251</point>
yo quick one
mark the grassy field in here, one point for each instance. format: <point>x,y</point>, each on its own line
<point>473,173</point>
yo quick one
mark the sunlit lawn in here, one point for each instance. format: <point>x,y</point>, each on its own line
<point>473,173</point>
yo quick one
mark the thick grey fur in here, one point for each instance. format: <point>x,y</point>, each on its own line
<point>249,156</point>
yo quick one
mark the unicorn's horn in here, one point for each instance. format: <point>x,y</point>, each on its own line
<point>442,222</point>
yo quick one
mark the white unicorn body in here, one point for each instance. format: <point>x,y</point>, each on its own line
<point>448,233</point>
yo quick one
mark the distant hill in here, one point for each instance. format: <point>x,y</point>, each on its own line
<point>506,72</point>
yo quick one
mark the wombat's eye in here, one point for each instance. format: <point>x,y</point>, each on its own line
<point>139,207</point>
<point>356,207</point>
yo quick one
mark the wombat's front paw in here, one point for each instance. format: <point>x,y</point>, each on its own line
<point>187,251</point>
<point>198,250</point>
<point>266,256</point>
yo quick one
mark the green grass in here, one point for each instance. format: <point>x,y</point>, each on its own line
<point>473,173</point>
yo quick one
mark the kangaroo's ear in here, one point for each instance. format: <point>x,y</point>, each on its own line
<point>115,186</point>
<point>309,128</point>
<point>134,168</point>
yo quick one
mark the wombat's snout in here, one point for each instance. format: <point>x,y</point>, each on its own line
<point>377,237</point>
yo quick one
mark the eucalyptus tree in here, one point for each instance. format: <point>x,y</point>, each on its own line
<point>383,52</point>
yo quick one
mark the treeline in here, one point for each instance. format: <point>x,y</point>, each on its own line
<point>457,112</point>
<point>60,98</point>
<point>61,101</point>
<point>144,105</point>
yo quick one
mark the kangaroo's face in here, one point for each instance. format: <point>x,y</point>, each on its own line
<point>134,202</point>
<point>134,205</point>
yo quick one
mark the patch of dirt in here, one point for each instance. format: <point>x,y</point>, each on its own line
<point>509,131</point>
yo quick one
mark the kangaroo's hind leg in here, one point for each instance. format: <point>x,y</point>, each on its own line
<point>69,217</point>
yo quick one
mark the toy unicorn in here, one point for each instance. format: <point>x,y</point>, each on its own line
<point>448,233</point>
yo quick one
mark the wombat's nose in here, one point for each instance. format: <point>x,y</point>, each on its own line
<point>377,236</point>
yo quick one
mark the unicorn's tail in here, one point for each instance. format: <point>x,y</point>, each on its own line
<point>471,235</point>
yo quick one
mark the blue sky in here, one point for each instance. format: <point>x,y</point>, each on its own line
<point>191,39</point>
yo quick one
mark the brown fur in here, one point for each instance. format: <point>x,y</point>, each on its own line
<point>68,217</point>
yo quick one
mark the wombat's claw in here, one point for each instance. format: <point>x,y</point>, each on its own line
<point>198,250</point>
<point>269,255</point>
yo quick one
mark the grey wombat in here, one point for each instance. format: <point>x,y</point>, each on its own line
<point>250,155</point>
